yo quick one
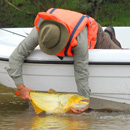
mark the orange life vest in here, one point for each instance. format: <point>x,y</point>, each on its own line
<point>74,22</point>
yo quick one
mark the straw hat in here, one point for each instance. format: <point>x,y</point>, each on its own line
<point>52,37</point>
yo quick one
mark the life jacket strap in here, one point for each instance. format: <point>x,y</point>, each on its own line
<point>72,34</point>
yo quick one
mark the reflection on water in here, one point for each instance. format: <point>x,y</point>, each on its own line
<point>28,120</point>
<point>60,122</point>
<point>16,114</point>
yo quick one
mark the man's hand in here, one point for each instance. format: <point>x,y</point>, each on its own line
<point>79,110</point>
<point>24,92</point>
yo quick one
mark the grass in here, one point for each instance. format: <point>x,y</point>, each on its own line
<point>114,14</point>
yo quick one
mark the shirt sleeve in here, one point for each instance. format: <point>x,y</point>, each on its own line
<point>18,56</point>
<point>81,64</point>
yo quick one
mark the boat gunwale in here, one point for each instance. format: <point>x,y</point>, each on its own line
<point>68,62</point>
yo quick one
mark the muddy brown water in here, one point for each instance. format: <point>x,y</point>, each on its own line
<point>16,114</point>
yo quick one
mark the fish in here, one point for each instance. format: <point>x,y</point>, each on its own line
<point>57,102</point>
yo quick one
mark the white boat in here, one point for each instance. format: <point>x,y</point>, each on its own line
<point>109,77</point>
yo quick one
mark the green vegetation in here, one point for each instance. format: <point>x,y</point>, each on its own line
<point>116,14</point>
<point>21,13</point>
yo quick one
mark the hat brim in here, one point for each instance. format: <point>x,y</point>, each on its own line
<point>64,36</point>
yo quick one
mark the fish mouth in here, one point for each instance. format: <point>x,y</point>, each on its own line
<point>81,104</point>
<point>77,107</point>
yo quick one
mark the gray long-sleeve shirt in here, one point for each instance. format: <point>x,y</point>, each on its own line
<point>80,60</point>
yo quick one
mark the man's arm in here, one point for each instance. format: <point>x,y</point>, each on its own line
<point>81,65</point>
<point>17,58</point>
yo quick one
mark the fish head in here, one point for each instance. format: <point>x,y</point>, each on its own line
<point>79,102</point>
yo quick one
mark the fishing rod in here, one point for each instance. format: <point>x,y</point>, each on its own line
<point>13,32</point>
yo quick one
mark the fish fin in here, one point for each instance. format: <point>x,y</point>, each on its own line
<point>37,109</point>
<point>60,105</point>
<point>51,91</point>
<point>67,107</point>
<point>17,94</point>
<point>59,109</point>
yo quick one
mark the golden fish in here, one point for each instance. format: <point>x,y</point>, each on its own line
<point>57,102</point>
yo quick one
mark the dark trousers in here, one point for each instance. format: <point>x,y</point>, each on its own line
<point>104,41</point>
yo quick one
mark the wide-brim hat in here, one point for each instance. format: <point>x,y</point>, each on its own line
<point>52,36</point>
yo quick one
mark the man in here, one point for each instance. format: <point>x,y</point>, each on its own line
<point>63,33</point>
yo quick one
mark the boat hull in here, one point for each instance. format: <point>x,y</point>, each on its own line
<point>109,72</point>
<point>108,83</point>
